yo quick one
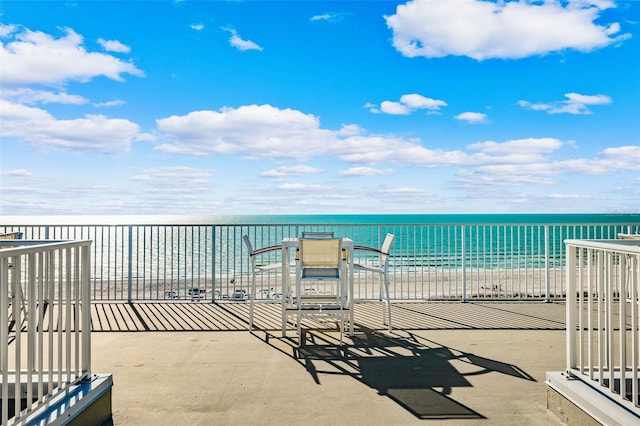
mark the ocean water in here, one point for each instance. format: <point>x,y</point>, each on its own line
<point>441,240</point>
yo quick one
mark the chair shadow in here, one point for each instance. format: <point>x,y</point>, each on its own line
<point>416,373</point>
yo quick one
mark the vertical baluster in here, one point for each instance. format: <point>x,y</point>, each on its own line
<point>4,340</point>
<point>30,317</point>
<point>571,310</point>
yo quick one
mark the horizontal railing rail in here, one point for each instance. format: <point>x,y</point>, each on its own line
<point>45,323</point>
<point>603,323</point>
<point>427,261</point>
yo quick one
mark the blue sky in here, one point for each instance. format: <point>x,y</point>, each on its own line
<point>319,107</point>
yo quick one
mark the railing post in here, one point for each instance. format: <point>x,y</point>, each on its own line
<point>464,265</point>
<point>213,263</point>
<point>546,264</point>
<point>4,342</point>
<point>130,266</point>
<point>85,293</point>
<point>31,316</point>
<point>571,306</point>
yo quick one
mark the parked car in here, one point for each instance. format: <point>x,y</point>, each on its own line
<point>197,293</point>
<point>239,295</point>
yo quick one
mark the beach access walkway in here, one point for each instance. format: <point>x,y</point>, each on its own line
<point>445,363</point>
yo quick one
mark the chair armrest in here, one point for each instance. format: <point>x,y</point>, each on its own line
<point>369,249</point>
<point>268,249</point>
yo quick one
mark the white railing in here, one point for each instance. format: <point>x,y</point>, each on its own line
<point>603,317</point>
<point>45,323</point>
<point>428,261</point>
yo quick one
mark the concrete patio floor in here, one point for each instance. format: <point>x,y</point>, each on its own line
<point>448,363</point>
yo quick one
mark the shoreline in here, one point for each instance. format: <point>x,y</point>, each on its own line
<point>439,284</point>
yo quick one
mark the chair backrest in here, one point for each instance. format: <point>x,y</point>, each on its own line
<point>386,247</point>
<point>320,253</point>
<point>317,234</point>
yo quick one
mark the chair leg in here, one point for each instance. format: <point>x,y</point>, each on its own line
<point>299,325</point>
<point>382,300</point>
<point>386,286</point>
<point>252,296</point>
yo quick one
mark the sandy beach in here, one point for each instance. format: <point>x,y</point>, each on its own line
<point>411,285</point>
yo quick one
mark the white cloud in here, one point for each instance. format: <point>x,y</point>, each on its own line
<point>286,171</point>
<point>6,30</point>
<point>93,132</point>
<point>515,151</point>
<point>365,171</point>
<point>17,173</point>
<point>303,187</point>
<point>32,96</point>
<point>29,57</point>
<point>326,17</point>
<point>255,131</point>
<point>116,102</point>
<point>197,27</point>
<point>571,197</point>
<point>416,101</point>
<point>176,175</point>
<point>113,46</point>
<point>403,190</point>
<point>408,103</point>
<point>184,186</point>
<point>624,153</point>
<point>534,168</point>
<point>574,104</point>
<point>588,99</point>
<point>505,29</point>
<point>265,132</point>
<point>610,160</point>
<point>507,175</point>
<point>350,130</point>
<point>411,198</point>
<point>472,117</point>
<point>236,41</point>
<point>394,108</point>
<point>376,149</point>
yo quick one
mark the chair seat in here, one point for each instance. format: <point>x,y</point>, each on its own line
<point>271,267</point>
<point>368,268</point>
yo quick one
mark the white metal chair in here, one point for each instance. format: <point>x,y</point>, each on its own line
<point>382,269</point>
<point>257,269</point>
<point>321,261</point>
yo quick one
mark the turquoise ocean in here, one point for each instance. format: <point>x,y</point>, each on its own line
<point>421,239</point>
<point>188,248</point>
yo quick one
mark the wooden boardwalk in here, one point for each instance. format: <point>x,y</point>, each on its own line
<point>233,316</point>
